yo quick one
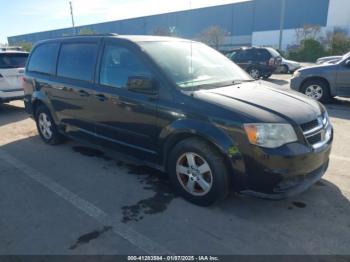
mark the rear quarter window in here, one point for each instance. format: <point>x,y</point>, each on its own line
<point>12,60</point>
<point>43,58</point>
<point>77,61</point>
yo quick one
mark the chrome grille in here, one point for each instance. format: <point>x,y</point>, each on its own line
<point>318,131</point>
<point>309,125</point>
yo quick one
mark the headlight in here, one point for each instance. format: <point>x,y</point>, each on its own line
<point>296,74</point>
<point>270,135</point>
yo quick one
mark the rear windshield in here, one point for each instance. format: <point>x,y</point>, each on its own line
<point>273,52</point>
<point>13,60</point>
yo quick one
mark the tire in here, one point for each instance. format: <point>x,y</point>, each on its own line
<point>317,89</point>
<point>216,185</point>
<point>255,73</point>
<point>44,123</point>
<point>267,76</point>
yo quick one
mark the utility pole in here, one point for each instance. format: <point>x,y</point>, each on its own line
<point>283,14</point>
<point>72,16</point>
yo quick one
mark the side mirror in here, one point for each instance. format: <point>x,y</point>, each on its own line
<point>142,84</point>
<point>347,63</point>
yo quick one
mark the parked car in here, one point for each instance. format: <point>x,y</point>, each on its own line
<point>288,66</point>
<point>11,72</point>
<point>182,107</point>
<point>326,59</point>
<point>257,61</point>
<point>324,81</point>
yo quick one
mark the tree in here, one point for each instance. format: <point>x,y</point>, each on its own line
<point>26,46</point>
<point>162,31</point>
<point>308,31</point>
<point>86,31</point>
<point>213,36</point>
<point>339,43</point>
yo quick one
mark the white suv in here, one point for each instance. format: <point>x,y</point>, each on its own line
<point>12,65</point>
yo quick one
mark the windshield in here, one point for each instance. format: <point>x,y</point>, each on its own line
<point>192,64</point>
<point>13,60</point>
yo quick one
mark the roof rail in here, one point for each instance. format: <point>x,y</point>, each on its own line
<point>106,34</point>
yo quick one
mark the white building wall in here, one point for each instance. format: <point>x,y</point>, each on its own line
<point>339,13</point>
<point>271,38</point>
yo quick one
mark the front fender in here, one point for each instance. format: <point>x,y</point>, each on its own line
<point>183,128</point>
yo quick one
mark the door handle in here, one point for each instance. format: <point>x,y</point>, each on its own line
<point>101,97</point>
<point>83,93</point>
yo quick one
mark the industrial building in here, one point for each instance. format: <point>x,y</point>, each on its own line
<point>252,22</point>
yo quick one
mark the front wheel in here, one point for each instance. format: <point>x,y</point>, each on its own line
<point>46,126</point>
<point>198,173</point>
<point>317,89</point>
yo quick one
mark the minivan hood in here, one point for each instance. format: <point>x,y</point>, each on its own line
<point>259,101</point>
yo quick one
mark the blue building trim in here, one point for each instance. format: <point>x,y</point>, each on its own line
<point>238,19</point>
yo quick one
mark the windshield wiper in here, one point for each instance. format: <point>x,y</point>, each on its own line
<point>238,82</point>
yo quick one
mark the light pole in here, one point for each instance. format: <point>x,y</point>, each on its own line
<point>72,16</point>
<point>283,13</point>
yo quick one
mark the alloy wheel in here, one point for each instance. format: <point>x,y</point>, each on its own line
<point>254,73</point>
<point>45,126</point>
<point>194,174</point>
<point>314,91</point>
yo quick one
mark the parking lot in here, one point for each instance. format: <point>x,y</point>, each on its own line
<point>74,199</point>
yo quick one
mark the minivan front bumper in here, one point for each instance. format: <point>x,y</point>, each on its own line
<point>285,172</point>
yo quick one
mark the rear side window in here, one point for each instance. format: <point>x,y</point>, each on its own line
<point>43,58</point>
<point>12,60</point>
<point>77,61</point>
<point>263,55</point>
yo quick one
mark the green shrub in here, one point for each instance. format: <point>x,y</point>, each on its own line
<point>309,51</point>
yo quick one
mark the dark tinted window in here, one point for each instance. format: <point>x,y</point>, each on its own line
<point>232,55</point>
<point>118,64</point>
<point>263,55</point>
<point>239,55</point>
<point>43,58</point>
<point>247,54</point>
<point>77,61</point>
<point>12,60</point>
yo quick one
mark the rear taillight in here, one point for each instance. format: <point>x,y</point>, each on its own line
<point>272,61</point>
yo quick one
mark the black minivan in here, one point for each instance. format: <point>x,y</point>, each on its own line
<point>182,107</point>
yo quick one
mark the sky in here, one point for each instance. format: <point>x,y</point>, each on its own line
<point>28,16</point>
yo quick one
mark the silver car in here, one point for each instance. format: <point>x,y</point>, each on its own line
<point>11,72</point>
<point>324,81</point>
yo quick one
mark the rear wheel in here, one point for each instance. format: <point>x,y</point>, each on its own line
<point>198,172</point>
<point>267,76</point>
<point>317,89</point>
<point>254,73</point>
<point>46,126</point>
